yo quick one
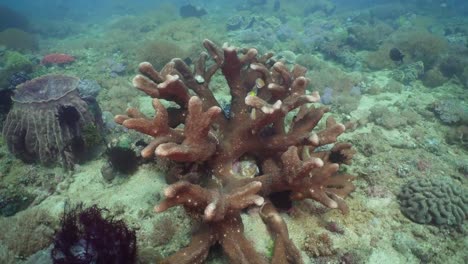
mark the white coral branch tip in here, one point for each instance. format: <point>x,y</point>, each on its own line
<point>314,139</point>
<point>269,109</point>
<point>259,201</point>
<point>210,211</point>
<point>169,79</point>
<point>254,67</point>
<point>318,162</point>
<point>313,98</point>
<point>170,192</point>
<point>252,53</point>
<point>333,204</point>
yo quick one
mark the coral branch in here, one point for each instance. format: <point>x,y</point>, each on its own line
<point>147,70</point>
<point>172,88</point>
<point>331,133</point>
<point>198,145</point>
<point>294,168</point>
<point>284,251</point>
<point>157,127</point>
<point>215,204</point>
<point>324,185</point>
<point>221,211</point>
<point>195,252</point>
<point>256,129</point>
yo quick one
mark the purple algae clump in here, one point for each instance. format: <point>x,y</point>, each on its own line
<point>326,97</point>
<point>86,236</point>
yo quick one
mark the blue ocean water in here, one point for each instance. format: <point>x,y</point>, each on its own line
<point>250,131</point>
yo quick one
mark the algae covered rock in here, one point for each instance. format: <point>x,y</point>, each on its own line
<point>433,78</point>
<point>438,201</point>
<point>409,73</point>
<point>450,111</point>
<point>16,61</point>
<point>13,200</point>
<point>18,39</point>
<point>12,62</point>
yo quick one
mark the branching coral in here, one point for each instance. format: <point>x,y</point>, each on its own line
<point>270,121</point>
<point>222,223</point>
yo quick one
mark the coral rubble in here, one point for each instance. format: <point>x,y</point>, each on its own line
<point>48,120</point>
<point>270,121</point>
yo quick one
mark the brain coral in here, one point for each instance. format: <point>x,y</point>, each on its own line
<point>48,120</point>
<point>438,201</point>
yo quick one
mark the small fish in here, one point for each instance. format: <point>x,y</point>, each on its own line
<point>253,114</point>
<point>259,83</point>
<point>245,168</point>
<point>188,61</point>
<point>396,55</point>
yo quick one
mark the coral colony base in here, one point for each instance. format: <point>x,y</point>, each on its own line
<point>273,126</point>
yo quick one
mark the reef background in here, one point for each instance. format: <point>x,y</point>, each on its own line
<point>410,118</point>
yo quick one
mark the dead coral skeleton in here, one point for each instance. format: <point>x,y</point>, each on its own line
<point>287,153</point>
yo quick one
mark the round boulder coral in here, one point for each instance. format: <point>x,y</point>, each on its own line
<point>438,201</point>
<point>48,120</point>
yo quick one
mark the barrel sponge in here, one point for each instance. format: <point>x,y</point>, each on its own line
<point>48,120</point>
<point>438,201</point>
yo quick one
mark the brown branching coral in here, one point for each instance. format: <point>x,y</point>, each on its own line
<point>222,222</point>
<point>284,249</point>
<point>291,156</point>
